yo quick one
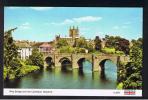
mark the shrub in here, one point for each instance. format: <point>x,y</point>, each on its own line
<point>80,50</point>
<point>66,49</point>
<point>5,73</point>
<point>108,50</point>
<point>27,69</point>
<point>36,58</point>
<point>120,52</point>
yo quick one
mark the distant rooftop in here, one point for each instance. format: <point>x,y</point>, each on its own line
<point>23,45</point>
<point>45,44</point>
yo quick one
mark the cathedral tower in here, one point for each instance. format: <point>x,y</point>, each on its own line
<point>74,32</point>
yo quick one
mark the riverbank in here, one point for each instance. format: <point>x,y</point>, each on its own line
<point>22,71</point>
<point>56,78</point>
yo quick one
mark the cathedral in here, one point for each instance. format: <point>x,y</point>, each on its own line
<point>73,36</point>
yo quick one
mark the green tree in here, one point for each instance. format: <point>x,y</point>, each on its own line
<point>122,45</point>
<point>90,47</point>
<point>10,49</point>
<point>97,43</point>
<point>11,59</point>
<point>137,43</point>
<point>81,42</point>
<point>130,74</point>
<point>111,41</point>
<point>61,42</point>
<point>36,58</point>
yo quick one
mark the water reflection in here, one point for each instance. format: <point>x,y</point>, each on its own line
<point>57,71</point>
<point>75,73</point>
<point>95,75</point>
<point>12,83</point>
<point>59,78</point>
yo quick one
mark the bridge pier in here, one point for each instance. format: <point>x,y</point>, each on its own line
<point>45,65</point>
<point>56,62</point>
<point>74,61</point>
<point>95,64</point>
<point>74,65</point>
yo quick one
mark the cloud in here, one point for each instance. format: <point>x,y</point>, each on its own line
<point>25,25</point>
<point>78,20</point>
<point>67,21</point>
<point>41,8</point>
<point>87,19</point>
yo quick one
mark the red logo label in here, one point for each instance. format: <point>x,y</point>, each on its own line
<point>129,92</point>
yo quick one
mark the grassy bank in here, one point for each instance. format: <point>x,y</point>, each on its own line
<point>22,71</point>
<point>112,51</point>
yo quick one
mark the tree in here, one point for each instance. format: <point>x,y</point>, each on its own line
<point>131,74</point>
<point>81,42</point>
<point>10,49</point>
<point>111,41</point>
<point>11,58</point>
<point>61,42</point>
<point>97,43</point>
<point>122,45</point>
<point>137,42</point>
<point>36,58</point>
<point>90,47</point>
<point>133,69</point>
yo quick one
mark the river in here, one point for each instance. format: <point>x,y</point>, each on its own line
<point>55,78</point>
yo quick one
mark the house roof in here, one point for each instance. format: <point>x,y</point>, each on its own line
<point>45,45</point>
<point>23,45</point>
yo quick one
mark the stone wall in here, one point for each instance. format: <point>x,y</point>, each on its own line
<point>95,59</point>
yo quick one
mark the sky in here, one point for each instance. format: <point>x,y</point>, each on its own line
<point>44,23</point>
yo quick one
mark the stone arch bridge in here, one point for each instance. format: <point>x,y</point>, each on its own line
<point>97,60</point>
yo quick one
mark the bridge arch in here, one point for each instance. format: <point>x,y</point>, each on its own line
<point>80,62</point>
<point>49,61</point>
<point>110,71</point>
<point>65,63</point>
<point>102,63</point>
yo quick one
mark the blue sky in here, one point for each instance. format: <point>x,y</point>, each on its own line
<point>43,23</point>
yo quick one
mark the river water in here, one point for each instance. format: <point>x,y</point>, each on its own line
<point>55,78</point>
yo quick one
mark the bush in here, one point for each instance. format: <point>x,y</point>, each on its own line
<point>80,50</point>
<point>108,50</point>
<point>35,59</point>
<point>66,49</point>
<point>5,73</point>
<point>12,73</point>
<point>21,71</point>
<point>27,69</point>
<point>120,52</point>
<point>120,86</point>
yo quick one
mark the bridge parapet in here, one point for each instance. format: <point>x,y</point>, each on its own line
<point>95,59</point>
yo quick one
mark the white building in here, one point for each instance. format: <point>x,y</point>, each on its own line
<point>24,50</point>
